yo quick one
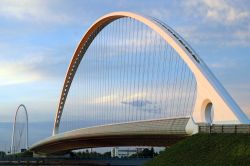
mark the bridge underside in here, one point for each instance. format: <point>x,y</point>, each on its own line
<point>108,141</point>
<point>164,132</point>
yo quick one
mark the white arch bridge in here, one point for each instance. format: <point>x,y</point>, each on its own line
<point>134,81</point>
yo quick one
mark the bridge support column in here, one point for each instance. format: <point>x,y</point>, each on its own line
<point>216,105</point>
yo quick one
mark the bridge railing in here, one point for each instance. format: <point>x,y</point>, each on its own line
<point>226,128</point>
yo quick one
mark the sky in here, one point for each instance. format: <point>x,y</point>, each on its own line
<point>38,38</point>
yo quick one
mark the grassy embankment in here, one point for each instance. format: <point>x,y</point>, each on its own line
<point>205,149</point>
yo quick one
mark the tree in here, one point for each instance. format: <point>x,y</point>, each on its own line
<point>2,154</point>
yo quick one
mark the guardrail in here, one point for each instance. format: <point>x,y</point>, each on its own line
<point>240,128</point>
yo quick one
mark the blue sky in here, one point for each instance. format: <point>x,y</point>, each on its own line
<point>38,38</point>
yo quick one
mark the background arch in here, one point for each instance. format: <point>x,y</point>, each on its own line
<point>13,148</point>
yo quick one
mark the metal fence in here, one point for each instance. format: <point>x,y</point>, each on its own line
<point>241,128</point>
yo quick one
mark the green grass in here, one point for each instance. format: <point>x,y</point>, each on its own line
<point>205,149</point>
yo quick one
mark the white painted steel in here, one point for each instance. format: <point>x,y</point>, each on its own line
<point>14,128</point>
<point>170,126</point>
<point>209,89</point>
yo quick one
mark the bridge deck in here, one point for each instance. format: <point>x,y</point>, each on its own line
<point>163,132</point>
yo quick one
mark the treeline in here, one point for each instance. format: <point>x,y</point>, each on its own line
<point>149,153</point>
<point>2,154</point>
<point>145,153</point>
<point>21,154</point>
<point>87,154</point>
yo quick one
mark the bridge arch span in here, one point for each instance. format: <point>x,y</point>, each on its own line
<point>17,144</point>
<point>208,87</point>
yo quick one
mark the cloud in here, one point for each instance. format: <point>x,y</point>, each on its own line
<point>242,37</point>
<point>160,12</point>
<point>115,98</point>
<point>17,73</point>
<point>220,11</point>
<point>39,11</point>
<point>137,103</point>
<point>225,63</point>
<point>143,105</point>
<point>136,95</point>
<point>28,68</point>
<point>104,99</point>
<point>136,100</point>
<point>233,37</point>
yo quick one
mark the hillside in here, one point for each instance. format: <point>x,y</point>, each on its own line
<point>205,149</point>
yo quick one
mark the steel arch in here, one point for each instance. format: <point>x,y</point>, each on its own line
<point>208,87</point>
<point>14,127</point>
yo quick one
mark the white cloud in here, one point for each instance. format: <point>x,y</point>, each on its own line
<point>27,68</point>
<point>196,34</point>
<point>17,72</point>
<point>159,13</point>
<point>242,37</point>
<point>38,11</point>
<point>115,98</point>
<point>104,99</point>
<point>225,63</point>
<point>220,11</point>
